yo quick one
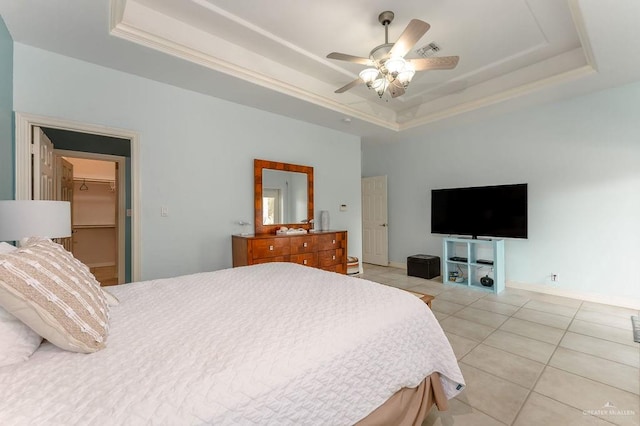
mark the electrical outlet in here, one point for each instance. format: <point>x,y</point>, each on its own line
<point>555,277</point>
<point>164,211</point>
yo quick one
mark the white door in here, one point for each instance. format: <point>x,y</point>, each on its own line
<point>64,192</point>
<point>375,235</point>
<point>43,166</point>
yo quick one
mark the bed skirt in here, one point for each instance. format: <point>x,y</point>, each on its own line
<point>409,406</point>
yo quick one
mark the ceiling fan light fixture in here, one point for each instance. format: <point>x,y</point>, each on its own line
<point>394,66</point>
<point>380,85</point>
<point>406,75</point>
<point>369,75</point>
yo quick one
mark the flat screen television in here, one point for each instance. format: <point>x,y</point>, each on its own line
<point>484,211</point>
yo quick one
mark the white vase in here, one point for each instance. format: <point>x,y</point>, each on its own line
<point>324,220</point>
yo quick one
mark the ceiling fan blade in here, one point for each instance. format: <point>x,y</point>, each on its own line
<point>409,37</point>
<point>350,58</point>
<point>435,63</point>
<point>395,91</point>
<point>349,86</point>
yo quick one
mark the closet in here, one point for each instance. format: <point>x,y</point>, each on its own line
<point>94,217</point>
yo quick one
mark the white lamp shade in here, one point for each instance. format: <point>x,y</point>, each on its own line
<point>369,75</point>
<point>34,218</point>
<point>395,66</point>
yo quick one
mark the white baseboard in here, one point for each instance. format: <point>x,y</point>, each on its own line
<point>623,302</point>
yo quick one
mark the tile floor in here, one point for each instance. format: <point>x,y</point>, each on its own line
<point>530,358</point>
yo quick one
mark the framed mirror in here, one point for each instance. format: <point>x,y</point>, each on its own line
<point>283,195</point>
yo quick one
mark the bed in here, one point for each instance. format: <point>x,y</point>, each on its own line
<point>275,343</point>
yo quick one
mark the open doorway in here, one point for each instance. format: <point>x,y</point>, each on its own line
<point>97,207</point>
<point>36,167</point>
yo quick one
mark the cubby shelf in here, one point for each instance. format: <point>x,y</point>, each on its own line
<point>472,250</point>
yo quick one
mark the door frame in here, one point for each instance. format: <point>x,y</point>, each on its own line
<point>23,170</point>
<point>122,207</point>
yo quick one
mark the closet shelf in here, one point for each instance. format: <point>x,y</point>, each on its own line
<point>85,226</point>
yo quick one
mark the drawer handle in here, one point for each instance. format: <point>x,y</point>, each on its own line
<point>333,242</point>
<point>334,257</point>
<point>304,244</point>
<point>304,262</point>
<point>271,248</point>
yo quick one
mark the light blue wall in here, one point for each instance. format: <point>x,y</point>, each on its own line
<point>581,159</point>
<point>196,155</point>
<point>6,113</point>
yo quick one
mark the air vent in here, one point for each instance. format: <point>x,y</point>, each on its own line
<point>428,50</point>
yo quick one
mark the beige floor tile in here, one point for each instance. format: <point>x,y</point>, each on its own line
<point>444,306</point>
<point>520,345</point>
<point>463,297</point>
<point>508,298</point>
<point>557,300</point>
<point>540,410</point>
<point>602,348</point>
<point>585,394</point>
<point>601,331</point>
<point>428,287</point>
<point>492,395</point>
<point>609,309</point>
<point>439,315</point>
<point>497,307</point>
<point>605,319</point>
<point>552,308</point>
<point>482,317</point>
<point>461,345</point>
<point>505,365</point>
<point>459,414</point>
<point>604,371</point>
<point>468,329</point>
<point>532,330</point>
<point>378,279</point>
<point>545,318</point>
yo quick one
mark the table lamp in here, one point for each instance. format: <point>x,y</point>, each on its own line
<point>21,219</point>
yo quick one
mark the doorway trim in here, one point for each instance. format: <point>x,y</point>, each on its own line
<point>24,124</point>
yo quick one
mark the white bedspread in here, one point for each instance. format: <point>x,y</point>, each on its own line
<point>266,344</point>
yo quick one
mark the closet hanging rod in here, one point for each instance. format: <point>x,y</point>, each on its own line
<point>91,180</point>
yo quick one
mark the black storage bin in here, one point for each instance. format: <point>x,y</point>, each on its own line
<point>423,266</point>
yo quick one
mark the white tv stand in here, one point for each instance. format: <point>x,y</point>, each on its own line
<point>468,252</point>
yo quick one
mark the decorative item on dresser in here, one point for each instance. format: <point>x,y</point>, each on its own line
<point>323,249</point>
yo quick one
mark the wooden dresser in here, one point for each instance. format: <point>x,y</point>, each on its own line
<point>324,249</point>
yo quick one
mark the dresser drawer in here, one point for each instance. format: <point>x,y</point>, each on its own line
<point>272,259</point>
<point>270,247</point>
<point>331,241</point>
<point>306,244</point>
<point>308,259</point>
<point>330,257</point>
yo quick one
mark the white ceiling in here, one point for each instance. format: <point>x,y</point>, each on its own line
<point>272,55</point>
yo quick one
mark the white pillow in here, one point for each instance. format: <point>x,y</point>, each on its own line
<point>6,248</point>
<point>43,285</point>
<point>17,340</point>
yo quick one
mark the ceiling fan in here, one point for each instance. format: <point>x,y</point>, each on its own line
<point>389,70</point>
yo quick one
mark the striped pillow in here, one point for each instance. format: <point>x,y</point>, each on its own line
<point>45,287</point>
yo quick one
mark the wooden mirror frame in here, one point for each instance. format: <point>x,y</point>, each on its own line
<point>258,166</point>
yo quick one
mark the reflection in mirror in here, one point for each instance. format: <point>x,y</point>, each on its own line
<point>284,197</point>
<point>280,188</point>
